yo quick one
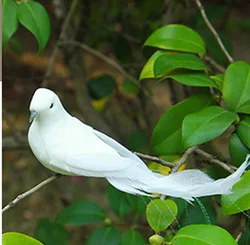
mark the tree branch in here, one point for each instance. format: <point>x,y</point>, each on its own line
<point>184,158</point>
<point>210,158</point>
<point>211,28</point>
<point>62,35</point>
<point>213,63</point>
<point>29,192</point>
<point>101,56</point>
<point>155,159</point>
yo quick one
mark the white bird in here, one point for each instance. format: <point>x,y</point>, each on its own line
<point>67,146</point>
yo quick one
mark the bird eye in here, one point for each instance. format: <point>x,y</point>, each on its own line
<point>51,105</point>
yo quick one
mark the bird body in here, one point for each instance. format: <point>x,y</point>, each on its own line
<point>67,146</point>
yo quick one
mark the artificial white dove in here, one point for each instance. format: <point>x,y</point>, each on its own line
<point>67,146</point>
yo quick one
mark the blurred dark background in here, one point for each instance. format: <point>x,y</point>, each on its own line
<point>96,91</point>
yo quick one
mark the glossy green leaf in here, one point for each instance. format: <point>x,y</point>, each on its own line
<point>236,88</point>
<point>243,130</point>
<point>205,125</point>
<point>33,16</point>
<point>161,213</point>
<point>105,235</point>
<point>219,80</point>
<point>165,64</point>
<point>203,235</point>
<point>131,237</point>
<point>189,78</point>
<point>130,87</point>
<point>101,86</point>
<point>238,151</point>
<point>81,213</point>
<point>51,233</point>
<point>9,20</point>
<point>167,136</point>
<point>15,238</point>
<point>177,37</point>
<point>239,200</point>
<point>148,69</point>
<point>118,201</point>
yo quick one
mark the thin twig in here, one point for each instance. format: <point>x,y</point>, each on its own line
<point>211,28</point>
<point>62,35</point>
<point>183,159</point>
<point>102,57</point>
<point>210,158</point>
<point>241,228</point>
<point>29,192</point>
<point>155,159</point>
<point>213,63</point>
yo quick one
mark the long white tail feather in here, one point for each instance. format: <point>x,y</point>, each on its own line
<point>186,184</point>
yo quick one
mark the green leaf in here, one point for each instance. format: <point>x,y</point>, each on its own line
<point>165,64</point>
<point>148,69</point>
<point>205,125</point>
<point>15,238</point>
<point>203,235</point>
<point>81,213</point>
<point>33,16</point>
<point>238,151</point>
<point>167,136</point>
<point>243,130</point>
<point>190,78</point>
<point>118,201</point>
<point>130,87</point>
<point>131,237</point>
<point>105,235</point>
<point>51,233</point>
<point>101,86</point>
<point>219,80</point>
<point>239,200</point>
<point>9,20</point>
<point>177,37</point>
<point>161,213</point>
<point>236,88</point>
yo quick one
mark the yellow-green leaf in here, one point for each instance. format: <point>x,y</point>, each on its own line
<point>161,213</point>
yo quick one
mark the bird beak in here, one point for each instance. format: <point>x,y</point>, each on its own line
<point>33,114</point>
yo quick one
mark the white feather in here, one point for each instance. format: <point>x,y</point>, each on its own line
<point>65,145</point>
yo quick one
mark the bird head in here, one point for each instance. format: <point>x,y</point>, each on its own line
<point>44,102</point>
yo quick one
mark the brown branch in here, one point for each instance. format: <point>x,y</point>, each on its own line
<point>62,35</point>
<point>184,158</point>
<point>29,192</point>
<point>155,159</point>
<point>211,28</point>
<point>102,57</point>
<point>210,158</point>
<point>213,63</point>
<point>241,229</point>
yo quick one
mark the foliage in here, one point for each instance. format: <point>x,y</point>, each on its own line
<point>15,238</point>
<point>178,53</point>
<point>32,15</point>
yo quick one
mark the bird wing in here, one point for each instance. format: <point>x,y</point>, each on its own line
<point>123,151</point>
